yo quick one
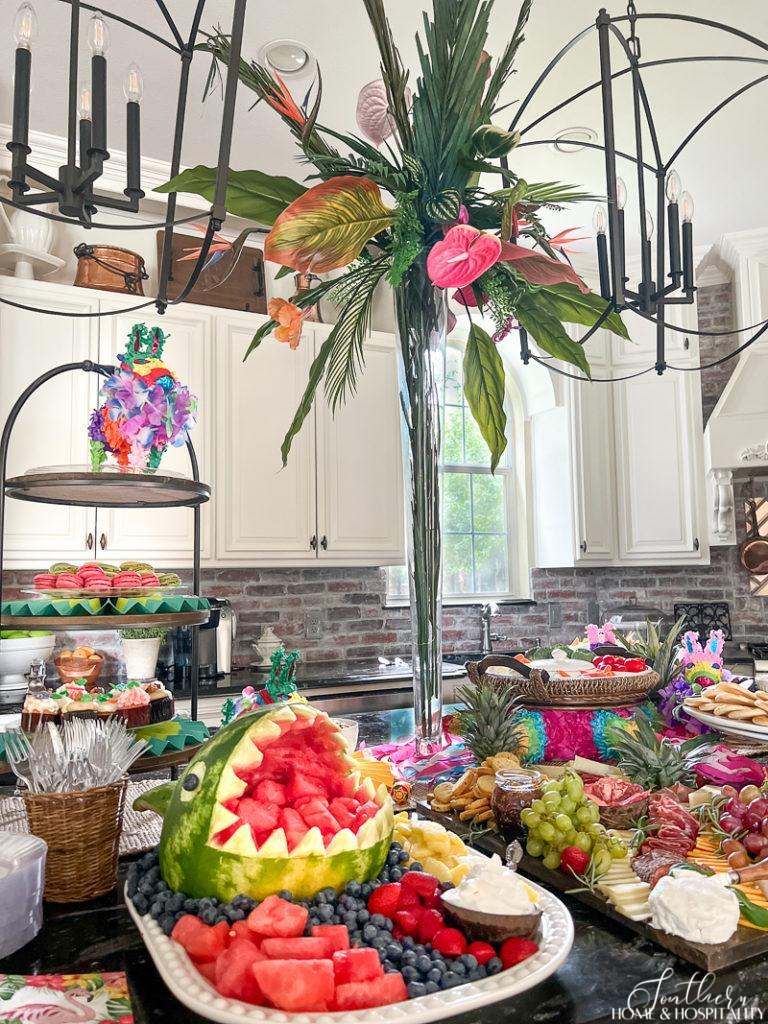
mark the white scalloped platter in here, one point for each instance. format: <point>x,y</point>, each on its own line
<point>729,726</point>
<point>555,938</point>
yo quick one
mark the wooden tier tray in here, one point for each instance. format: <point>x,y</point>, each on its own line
<point>104,622</point>
<point>107,489</point>
<point>745,943</point>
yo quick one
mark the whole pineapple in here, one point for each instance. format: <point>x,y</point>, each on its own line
<point>655,763</point>
<point>489,723</point>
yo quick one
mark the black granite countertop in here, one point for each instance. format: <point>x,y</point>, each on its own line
<point>607,967</point>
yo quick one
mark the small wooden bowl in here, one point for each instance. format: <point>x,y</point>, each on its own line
<point>493,928</point>
<point>72,669</point>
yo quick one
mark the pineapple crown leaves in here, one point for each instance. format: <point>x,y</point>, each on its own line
<point>655,762</point>
<point>490,722</point>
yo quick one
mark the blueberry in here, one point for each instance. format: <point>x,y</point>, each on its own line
<point>286,894</point>
<point>476,974</point>
<point>325,913</point>
<point>416,866</point>
<point>330,894</point>
<point>235,914</point>
<point>176,902</point>
<point>161,887</point>
<point>388,924</point>
<point>450,980</point>
<point>167,923</point>
<point>354,888</point>
<point>383,876</point>
<point>363,916</point>
<point>423,964</point>
<point>243,902</point>
<point>208,915</point>
<point>418,949</point>
<point>440,966</point>
<point>436,955</point>
<point>132,888</point>
<point>355,938</point>
<point>469,961</point>
<point>494,965</point>
<point>430,987</point>
<point>157,910</point>
<point>409,973</point>
<point>408,942</point>
<point>191,906</point>
<point>378,920</point>
<point>380,942</point>
<point>221,918</point>
<point>208,901</point>
<point>416,989</point>
<point>395,874</point>
<point>393,858</point>
<point>445,886</point>
<point>148,860</point>
<point>133,869</point>
<point>336,919</point>
<point>372,885</point>
<point>370,931</point>
<point>365,890</point>
<point>391,969</point>
<point>457,967</point>
<point>394,951</point>
<point>409,957</point>
<point>402,855</point>
<point>146,888</point>
<point>140,902</point>
<point>434,975</point>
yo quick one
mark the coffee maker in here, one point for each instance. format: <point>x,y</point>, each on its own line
<point>214,648</point>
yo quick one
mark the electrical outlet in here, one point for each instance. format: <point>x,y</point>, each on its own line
<point>312,625</point>
<point>555,615</point>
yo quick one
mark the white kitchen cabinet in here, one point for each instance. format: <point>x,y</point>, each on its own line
<point>359,460</point>
<point>267,513</point>
<point>165,536</point>
<point>593,482</point>
<point>52,428</point>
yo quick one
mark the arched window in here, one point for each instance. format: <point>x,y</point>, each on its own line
<point>484,537</point>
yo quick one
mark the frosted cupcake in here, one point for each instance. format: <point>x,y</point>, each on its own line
<point>75,690</point>
<point>132,706</point>
<point>160,702</point>
<point>39,709</point>
<point>105,706</point>
<point>81,708</point>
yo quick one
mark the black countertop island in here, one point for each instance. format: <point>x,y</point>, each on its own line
<point>610,975</point>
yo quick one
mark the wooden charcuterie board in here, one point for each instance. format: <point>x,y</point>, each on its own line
<point>744,944</point>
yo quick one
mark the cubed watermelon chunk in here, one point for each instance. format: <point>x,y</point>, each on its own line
<point>276,918</point>
<point>390,988</point>
<point>342,813</point>
<point>234,972</point>
<point>302,948</point>
<point>350,965</point>
<point>298,986</point>
<point>271,792</point>
<point>261,817</point>
<point>241,930</point>
<point>201,941</point>
<point>337,935</point>
<point>293,825</point>
<point>323,820</point>
<point>208,969</point>
<point>364,812</point>
<point>303,785</point>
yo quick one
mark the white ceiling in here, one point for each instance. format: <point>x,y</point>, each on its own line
<point>723,169</point>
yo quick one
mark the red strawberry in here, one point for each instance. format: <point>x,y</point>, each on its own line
<point>481,951</point>
<point>385,900</point>
<point>431,922</point>
<point>421,883</point>
<point>515,950</point>
<point>408,898</point>
<point>434,902</point>
<point>449,942</point>
<point>406,921</point>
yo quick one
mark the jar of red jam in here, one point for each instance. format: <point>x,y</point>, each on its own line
<point>514,791</point>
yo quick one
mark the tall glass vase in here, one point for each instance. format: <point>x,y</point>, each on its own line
<point>421,312</point>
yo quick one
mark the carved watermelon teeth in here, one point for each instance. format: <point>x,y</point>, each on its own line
<point>288,791</point>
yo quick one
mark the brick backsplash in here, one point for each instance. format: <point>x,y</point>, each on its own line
<point>356,621</point>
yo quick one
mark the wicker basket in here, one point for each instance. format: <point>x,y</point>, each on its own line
<point>82,831</point>
<point>539,690</point>
<point>623,817</point>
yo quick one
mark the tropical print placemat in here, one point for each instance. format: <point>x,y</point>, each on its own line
<point>95,998</point>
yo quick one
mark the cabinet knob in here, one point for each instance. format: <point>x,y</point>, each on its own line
<point>696,544</point>
<point>89,542</point>
<point>313,542</point>
<point>103,542</point>
<point>583,545</point>
<point>324,543</point>
<point>686,343</point>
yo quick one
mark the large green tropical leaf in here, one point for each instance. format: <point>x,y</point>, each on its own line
<point>549,333</point>
<point>571,305</point>
<point>484,390</point>
<point>251,194</point>
<point>328,226</point>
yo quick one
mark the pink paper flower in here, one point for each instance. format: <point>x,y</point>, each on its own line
<point>462,256</point>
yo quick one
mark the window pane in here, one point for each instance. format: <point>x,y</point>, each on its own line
<point>456,503</point>
<point>397,581</point>
<point>457,564</point>
<point>454,394</point>
<point>476,449</point>
<point>453,438</point>
<point>488,502</point>
<point>491,563</point>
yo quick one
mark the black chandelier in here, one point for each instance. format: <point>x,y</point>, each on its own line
<point>74,190</point>
<point>666,275</point>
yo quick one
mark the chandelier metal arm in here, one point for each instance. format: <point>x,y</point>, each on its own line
<point>170,23</point>
<point>694,20</point>
<point>587,145</point>
<point>130,24</point>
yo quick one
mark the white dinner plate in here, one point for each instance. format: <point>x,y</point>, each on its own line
<point>555,938</point>
<point>729,726</point>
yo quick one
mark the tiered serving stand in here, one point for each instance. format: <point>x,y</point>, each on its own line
<point>107,489</point>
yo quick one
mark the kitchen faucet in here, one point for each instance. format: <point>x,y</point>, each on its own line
<point>486,636</point>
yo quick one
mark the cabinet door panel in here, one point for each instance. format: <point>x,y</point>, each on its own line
<point>360,467</point>
<point>659,468</point>
<point>593,481</point>
<point>52,428</point>
<point>267,512</point>
<point>165,536</point>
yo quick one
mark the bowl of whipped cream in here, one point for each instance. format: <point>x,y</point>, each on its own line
<point>492,903</point>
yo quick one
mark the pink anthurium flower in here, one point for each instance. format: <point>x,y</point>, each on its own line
<point>465,297</point>
<point>462,256</point>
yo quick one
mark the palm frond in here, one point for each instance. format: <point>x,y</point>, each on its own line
<point>548,193</point>
<point>392,71</point>
<point>504,67</point>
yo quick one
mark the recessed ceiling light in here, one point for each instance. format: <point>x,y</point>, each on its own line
<point>572,140</point>
<point>286,56</point>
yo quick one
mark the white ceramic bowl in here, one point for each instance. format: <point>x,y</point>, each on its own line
<point>16,656</point>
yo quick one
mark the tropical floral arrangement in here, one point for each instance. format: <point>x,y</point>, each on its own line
<point>408,198</point>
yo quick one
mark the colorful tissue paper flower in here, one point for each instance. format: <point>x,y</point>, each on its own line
<point>462,256</point>
<point>289,317</point>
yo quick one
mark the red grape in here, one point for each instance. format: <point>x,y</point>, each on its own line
<point>754,842</point>
<point>729,791</point>
<point>764,829</point>
<point>736,807</point>
<point>729,823</point>
<point>752,821</point>
<point>759,806</point>
<point>763,852</point>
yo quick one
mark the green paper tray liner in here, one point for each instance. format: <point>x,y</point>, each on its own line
<point>105,606</point>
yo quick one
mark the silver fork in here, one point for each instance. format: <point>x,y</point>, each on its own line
<point>17,749</point>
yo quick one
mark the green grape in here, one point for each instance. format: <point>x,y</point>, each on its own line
<point>583,841</point>
<point>567,805</point>
<point>547,831</point>
<point>545,848</point>
<point>551,801</point>
<point>583,815</point>
<point>570,836</point>
<point>539,807</point>
<point>533,819</point>
<point>601,860</point>
<point>594,811</point>
<point>563,822</point>
<point>552,786</point>
<point>534,847</point>
<point>552,860</point>
<point>574,787</point>
<point>525,815</point>
<point>617,849</point>
<point>595,828</point>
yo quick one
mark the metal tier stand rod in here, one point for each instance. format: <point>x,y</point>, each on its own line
<point>88,366</point>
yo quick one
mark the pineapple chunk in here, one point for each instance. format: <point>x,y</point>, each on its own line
<point>459,873</point>
<point>435,867</point>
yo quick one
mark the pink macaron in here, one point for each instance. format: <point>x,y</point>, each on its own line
<point>69,581</point>
<point>44,581</point>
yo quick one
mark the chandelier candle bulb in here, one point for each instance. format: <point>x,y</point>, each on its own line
<point>133,87</point>
<point>599,223</point>
<point>686,203</point>
<point>84,113</point>
<point>25,30</point>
